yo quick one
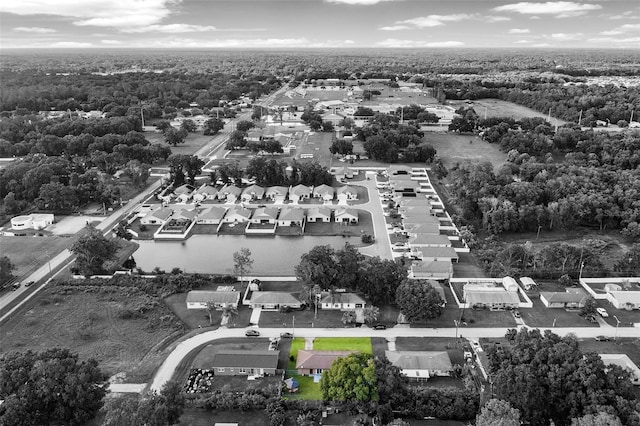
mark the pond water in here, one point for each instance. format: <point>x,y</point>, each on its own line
<point>211,254</point>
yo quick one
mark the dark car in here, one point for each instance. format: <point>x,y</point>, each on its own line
<point>252,333</point>
<point>379,327</point>
<point>286,335</point>
<point>591,318</point>
<point>29,283</point>
<point>15,286</point>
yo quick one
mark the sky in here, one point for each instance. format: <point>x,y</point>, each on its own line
<point>278,24</point>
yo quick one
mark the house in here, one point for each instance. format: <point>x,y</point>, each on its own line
<point>342,301</point>
<point>230,193</point>
<point>157,217</point>
<point>490,297</point>
<point>429,240</point>
<point>324,192</point>
<point>445,254</point>
<point>423,228</point>
<point>291,216</point>
<point>625,362</point>
<point>415,202</point>
<point>299,193</point>
<point>183,193</point>
<point>277,193</point>
<point>237,214</point>
<point>399,170</point>
<point>342,173</point>
<point>245,363</point>
<point>205,192</point>
<point>347,193</point>
<point>628,300</point>
<point>405,185</point>
<point>265,215</point>
<point>35,221</point>
<point>528,283</point>
<point>409,211</point>
<point>573,298</point>
<point>421,365</point>
<point>198,299</point>
<point>252,192</point>
<point>211,216</point>
<point>185,214</point>
<point>273,300</point>
<point>410,221</point>
<point>311,363</point>
<point>346,216</point>
<point>433,270</point>
<point>319,214</point>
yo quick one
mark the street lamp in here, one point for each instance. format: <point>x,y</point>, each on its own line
<point>617,324</point>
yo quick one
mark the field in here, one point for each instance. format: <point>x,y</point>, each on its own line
<point>499,108</point>
<point>29,253</point>
<point>455,148</point>
<point>94,323</point>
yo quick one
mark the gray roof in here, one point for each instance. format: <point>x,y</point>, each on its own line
<point>429,239</point>
<point>342,298</point>
<point>319,211</point>
<point>318,359</point>
<point>438,252</point>
<point>246,359</point>
<point>433,267</point>
<point>281,297</point>
<point>204,296</point>
<point>289,213</point>
<point>214,212</point>
<point>420,360</point>
<point>487,297</point>
<point>575,296</point>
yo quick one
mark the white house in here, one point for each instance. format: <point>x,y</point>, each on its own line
<point>432,270</point>
<point>319,214</point>
<point>33,221</point>
<point>183,193</point>
<point>198,299</point>
<point>421,365</point>
<point>625,362</point>
<point>423,228</point>
<point>274,300</point>
<point>572,298</point>
<point>342,302</point>
<point>277,193</point>
<point>347,216</point>
<point>211,216</point>
<point>299,193</point>
<point>342,173</point>
<point>444,254</point>
<point>291,216</point>
<point>324,192</point>
<point>237,214</point>
<point>265,215</point>
<point>629,300</point>
<point>347,193</point>
<point>429,240</point>
<point>230,193</point>
<point>205,192</point>
<point>252,192</point>
<point>157,217</point>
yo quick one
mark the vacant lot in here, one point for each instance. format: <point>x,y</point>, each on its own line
<point>29,253</point>
<point>315,144</point>
<point>456,148</point>
<point>499,108</point>
<point>105,324</point>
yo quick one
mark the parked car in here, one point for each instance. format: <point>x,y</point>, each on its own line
<point>602,338</point>
<point>29,283</point>
<point>591,318</point>
<point>251,333</point>
<point>15,286</point>
<point>286,335</point>
<point>379,327</point>
<point>603,313</point>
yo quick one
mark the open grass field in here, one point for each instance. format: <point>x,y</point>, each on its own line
<point>94,323</point>
<point>316,144</point>
<point>499,108</point>
<point>29,253</point>
<point>456,148</point>
<point>360,344</point>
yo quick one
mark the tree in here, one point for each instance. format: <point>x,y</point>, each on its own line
<point>92,250</point>
<point>498,413</point>
<point>188,126</point>
<point>56,196</point>
<point>245,125</point>
<point>228,312</point>
<point>6,270</point>
<point>418,300</point>
<point>49,387</point>
<point>211,308</point>
<point>242,262</point>
<point>137,172</point>
<point>237,140</point>
<point>11,206</point>
<point>162,409</point>
<point>342,147</point>
<point>318,267</point>
<point>371,314</point>
<point>599,419</point>
<point>350,378</point>
<point>378,279</point>
<point>327,126</point>
<point>212,126</point>
<point>174,137</point>
<point>589,307</point>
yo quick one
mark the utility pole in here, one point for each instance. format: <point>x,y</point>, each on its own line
<point>615,339</point>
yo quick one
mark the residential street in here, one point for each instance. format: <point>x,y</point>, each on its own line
<point>382,246</point>
<point>165,372</point>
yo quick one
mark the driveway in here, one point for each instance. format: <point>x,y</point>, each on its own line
<point>382,245</point>
<point>72,224</point>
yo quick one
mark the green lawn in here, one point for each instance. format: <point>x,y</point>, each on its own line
<point>361,344</point>
<point>296,345</point>
<point>308,390</point>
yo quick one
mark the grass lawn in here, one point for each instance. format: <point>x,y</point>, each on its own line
<point>202,417</point>
<point>29,253</point>
<point>308,390</point>
<point>456,148</point>
<point>91,323</point>
<point>296,344</point>
<point>361,344</point>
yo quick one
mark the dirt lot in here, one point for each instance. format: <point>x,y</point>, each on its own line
<point>94,324</point>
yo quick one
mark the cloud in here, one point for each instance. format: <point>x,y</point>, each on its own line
<point>112,13</point>
<point>396,28</point>
<point>392,42</point>
<point>169,28</point>
<point>111,42</point>
<point>73,44</point>
<point>492,19</point>
<point>37,30</point>
<point>519,31</point>
<point>522,41</point>
<point>357,2</point>
<point>567,37</point>
<point>622,29</point>
<point>561,9</point>
<point>540,45</point>
<point>632,41</point>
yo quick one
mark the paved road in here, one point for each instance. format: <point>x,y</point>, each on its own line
<point>166,371</point>
<point>382,245</point>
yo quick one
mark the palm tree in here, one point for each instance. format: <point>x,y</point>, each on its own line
<point>228,311</point>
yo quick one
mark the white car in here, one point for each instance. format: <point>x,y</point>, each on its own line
<point>603,313</point>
